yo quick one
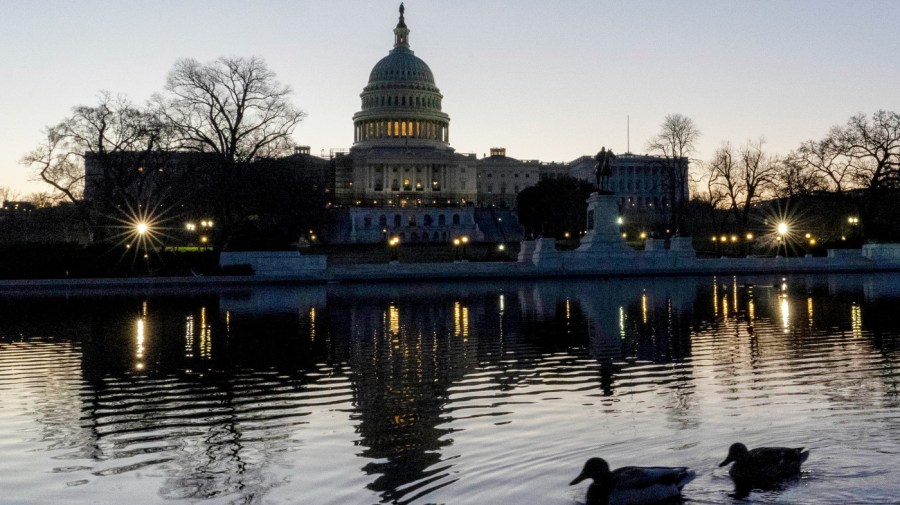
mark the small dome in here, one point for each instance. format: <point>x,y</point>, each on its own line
<point>401,65</point>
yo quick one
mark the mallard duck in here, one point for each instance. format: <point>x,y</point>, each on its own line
<point>764,464</point>
<point>632,485</point>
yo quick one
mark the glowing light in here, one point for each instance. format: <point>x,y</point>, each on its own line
<point>785,313</point>
<point>501,247</point>
<point>205,335</point>
<point>749,236</point>
<point>782,228</point>
<point>643,234</point>
<point>141,228</point>
<point>189,336</point>
<point>567,235</point>
<point>394,319</point>
<point>140,338</point>
<point>620,220</point>
<point>644,308</point>
<point>856,324</point>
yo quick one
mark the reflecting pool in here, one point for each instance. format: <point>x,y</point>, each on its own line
<point>446,393</point>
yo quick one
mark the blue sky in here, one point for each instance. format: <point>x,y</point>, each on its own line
<point>547,80</point>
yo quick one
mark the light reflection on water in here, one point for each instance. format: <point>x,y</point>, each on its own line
<point>419,393</point>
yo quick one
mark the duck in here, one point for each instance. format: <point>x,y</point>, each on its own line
<point>632,485</point>
<point>764,464</point>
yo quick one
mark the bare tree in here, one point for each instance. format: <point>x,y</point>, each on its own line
<point>725,181</point>
<point>827,159</point>
<point>43,199</point>
<point>102,149</point>
<point>796,177</point>
<point>873,147</point>
<point>674,144</point>
<point>713,199</point>
<point>234,108</point>
<point>743,178</point>
<point>8,194</point>
<point>758,170</point>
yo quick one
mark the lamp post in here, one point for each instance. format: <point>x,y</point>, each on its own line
<point>465,241</point>
<point>456,243</point>
<point>142,229</point>
<point>782,231</point>
<point>853,221</point>
<point>393,243</point>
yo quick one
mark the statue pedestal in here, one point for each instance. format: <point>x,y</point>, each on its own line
<point>545,255</point>
<point>603,236</point>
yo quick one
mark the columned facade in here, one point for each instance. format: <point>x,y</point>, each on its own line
<point>401,177</point>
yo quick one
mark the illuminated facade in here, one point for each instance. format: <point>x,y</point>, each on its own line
<point>643,188</point>
<point>501,178</point>
<point>639,181</point>
<point>401,177</point>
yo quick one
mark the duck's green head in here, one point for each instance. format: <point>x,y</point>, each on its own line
<point>594,468</point>
<point>736,452</point>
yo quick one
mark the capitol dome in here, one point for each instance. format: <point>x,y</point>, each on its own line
<point>401,65</point>
<point>401,103</point>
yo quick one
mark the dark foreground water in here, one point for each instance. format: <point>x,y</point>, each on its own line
<point>478,393</point>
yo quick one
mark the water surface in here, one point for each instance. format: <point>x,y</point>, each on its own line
<point>450,393</point>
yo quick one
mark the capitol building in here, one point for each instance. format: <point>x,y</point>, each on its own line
<point>402,178</point>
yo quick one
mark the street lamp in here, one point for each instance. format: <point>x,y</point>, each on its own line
<point>142,228</point>
<point>465,241</point>
<point>393,243</point>
<point>782,231</point>
<point>456,243</point>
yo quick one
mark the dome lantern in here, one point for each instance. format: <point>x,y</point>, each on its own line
<point>401,33</point>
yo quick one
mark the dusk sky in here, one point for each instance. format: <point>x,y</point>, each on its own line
<point>547,80</point>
